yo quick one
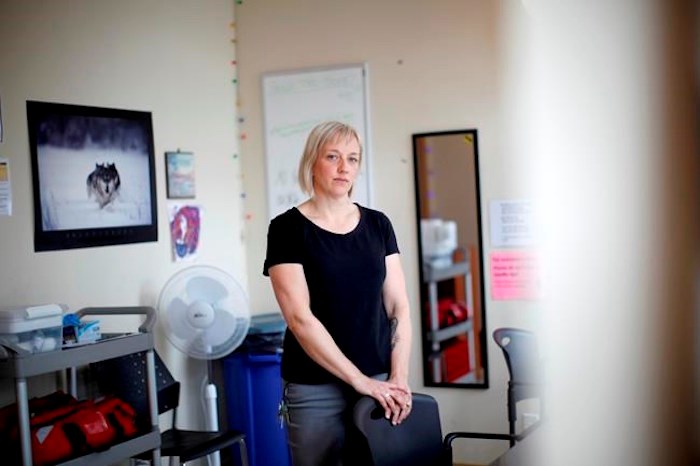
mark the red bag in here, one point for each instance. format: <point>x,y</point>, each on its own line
<point>451,312</point>
<point>49,445</point>
<point>42,410</point>
<point>120,416</point>
<point>53,438</point>
<point>60,432</point>
<point>97,433</point>
<point>89,426</point>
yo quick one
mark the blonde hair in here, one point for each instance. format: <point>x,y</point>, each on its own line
<point>322,134</point>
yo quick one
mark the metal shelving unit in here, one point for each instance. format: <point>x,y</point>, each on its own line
<point>20,365</point>
<point>436,335</point>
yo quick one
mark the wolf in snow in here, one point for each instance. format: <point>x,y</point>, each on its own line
<point>103,183</point>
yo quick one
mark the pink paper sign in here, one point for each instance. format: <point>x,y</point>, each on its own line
<point>515,275</point>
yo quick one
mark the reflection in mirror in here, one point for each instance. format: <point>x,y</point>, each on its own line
<point>451,272</point>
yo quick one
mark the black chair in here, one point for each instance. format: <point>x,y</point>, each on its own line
<point>522,358</point>
<point>180,445</point>
<point>415,442</point>
<point>418,440</point>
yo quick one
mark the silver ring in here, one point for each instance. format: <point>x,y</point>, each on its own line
<point>386,395</point>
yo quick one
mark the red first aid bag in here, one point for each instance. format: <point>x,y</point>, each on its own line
<point>120,416</point>
<point>53,437</point>
<point>92,426</point>
<point>78,428</point>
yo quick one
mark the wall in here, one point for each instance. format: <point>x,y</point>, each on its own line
<point>607,95</point>
<point>432,66</point>
<point>169,57</point>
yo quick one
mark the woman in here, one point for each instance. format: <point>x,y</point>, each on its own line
<point>336,273</point>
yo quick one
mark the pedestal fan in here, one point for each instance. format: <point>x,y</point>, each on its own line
<point>205,314</point>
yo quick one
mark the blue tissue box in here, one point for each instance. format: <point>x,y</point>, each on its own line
<point>77,332</point>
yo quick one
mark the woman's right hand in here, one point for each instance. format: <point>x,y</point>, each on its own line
<point>387,394</point>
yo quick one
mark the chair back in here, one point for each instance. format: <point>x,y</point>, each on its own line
<point>522,358</point>
<point>125,377</point>
<point>417,441</point>
<point>521,354</point>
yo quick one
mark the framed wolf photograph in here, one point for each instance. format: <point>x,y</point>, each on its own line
<point>93,173</point>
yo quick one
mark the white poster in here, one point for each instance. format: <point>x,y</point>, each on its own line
<point>296,101</point>
<point>512,223</point>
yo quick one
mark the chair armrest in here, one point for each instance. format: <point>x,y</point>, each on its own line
<point>528,431</point>
<point>449,438</point>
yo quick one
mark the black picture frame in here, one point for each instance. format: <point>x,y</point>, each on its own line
<point>451,259</point>
<point>93,176</point>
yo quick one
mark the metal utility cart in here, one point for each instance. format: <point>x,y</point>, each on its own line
<point>21,365</point>
<point>437,335</point>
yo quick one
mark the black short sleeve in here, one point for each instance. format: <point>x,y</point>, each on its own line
<point>284,240</point>
<point>390,242</point>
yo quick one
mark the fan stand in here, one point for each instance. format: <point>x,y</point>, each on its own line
<point>206,317</point>
<point>212,412</point>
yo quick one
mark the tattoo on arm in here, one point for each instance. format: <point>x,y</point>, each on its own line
<point>394,322</point>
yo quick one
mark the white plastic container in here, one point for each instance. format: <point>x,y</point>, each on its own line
<point>439,241</point>
<point>33,328</point>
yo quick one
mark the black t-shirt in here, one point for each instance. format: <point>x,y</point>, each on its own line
<point>345,274</point>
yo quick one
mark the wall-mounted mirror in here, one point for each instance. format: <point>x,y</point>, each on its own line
<point>451,268</point>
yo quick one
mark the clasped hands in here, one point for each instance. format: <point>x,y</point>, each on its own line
<point>394,397</point>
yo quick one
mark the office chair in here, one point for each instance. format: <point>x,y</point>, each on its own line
<point>415,442</point>
<point>418,440</point>
<point>180,445</point>
<point>522,358</point>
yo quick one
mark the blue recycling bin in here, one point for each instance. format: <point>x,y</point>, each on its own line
<point>253,386</point>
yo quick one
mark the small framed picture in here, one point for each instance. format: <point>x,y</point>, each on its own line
<point>179,168</point>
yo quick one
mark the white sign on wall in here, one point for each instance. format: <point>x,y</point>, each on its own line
<point>512,223</point>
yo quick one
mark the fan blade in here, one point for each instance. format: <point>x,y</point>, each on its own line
<point>233,303</point>
<point>205,312</point>
<point>205,289</point>
<point>197,345</point>
<point>177,319</point>
<point>225,326</point>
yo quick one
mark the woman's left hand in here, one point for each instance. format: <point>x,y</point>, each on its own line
<point>403,400</point>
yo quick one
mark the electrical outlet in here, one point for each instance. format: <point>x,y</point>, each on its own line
<point>530,419</point>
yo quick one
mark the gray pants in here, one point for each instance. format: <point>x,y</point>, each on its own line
<point>320,427</point>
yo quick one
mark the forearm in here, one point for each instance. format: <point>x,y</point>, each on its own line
<point>320,346</point>
<point>400,344</point>
<point>290,289</point>
<point>397,309</point>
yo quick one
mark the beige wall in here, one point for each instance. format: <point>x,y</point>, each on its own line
<point>438,65</point>
<point>432,66</point>
<point>588,107</point>
<point>610,129</point>
<point>172,58</point>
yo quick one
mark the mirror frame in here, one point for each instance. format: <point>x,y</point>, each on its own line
<point>469,333</point>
